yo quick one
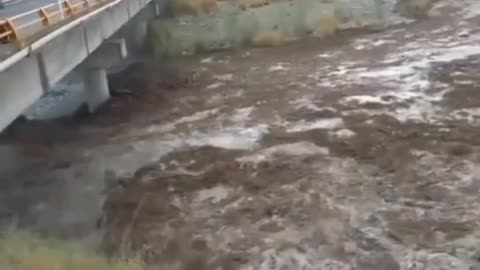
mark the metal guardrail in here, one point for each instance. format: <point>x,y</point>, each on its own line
<point>21,27</point>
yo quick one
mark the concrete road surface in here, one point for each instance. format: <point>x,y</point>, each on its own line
<point>19,6</point>
<point>13,8</point>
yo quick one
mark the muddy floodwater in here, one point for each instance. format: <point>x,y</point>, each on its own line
<point>356,152</point>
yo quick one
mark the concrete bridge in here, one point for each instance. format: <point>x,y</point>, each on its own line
<point>10,8</point>
<point>47,43</point>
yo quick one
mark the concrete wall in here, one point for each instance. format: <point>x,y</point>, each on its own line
<point>134,32</point>
<point>20,86</point>
<point>25,81</point>
<point>230,26</point>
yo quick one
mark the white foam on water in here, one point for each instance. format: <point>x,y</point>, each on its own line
<point>324,55</point>
<point>428,260</point>
<point>362,44</point>
<point>326,83</point>
<point>471,9</point>
<point>242,115</point>
<point>419,111</point>
<point>206,60</point>
<point>223,77</point>
<point>341,71</point>
<point>279,67</point>
<point>307,103</point>
<point>363,99</point>
<point>471,115</point>
<point>292,258</point>
<point>212,195</point>
<point>197,116</point>
<point>302,148</point>
<point>229,138</point>
<point>168,127</point>
<point>408,81</point>
<point>130,156</point>
<point>215,85</point>
<point>343,133</point>
<point>326,123</point>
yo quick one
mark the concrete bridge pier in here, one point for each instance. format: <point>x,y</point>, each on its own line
<point>96,87</point>
<point>95,67</point>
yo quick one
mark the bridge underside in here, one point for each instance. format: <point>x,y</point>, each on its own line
<point>22,83</point>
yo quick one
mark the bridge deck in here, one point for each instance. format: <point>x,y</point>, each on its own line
<point>13,8</point>
<point>19,6</point>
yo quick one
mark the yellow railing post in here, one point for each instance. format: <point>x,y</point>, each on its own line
<point>4,32</point>
<point>13,30</point>
<point>68,7</point>
<point>45,17</point>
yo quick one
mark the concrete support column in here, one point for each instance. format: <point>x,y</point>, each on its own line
<point>96,87</point>
<point>138,35</point>
<point>95,71</point>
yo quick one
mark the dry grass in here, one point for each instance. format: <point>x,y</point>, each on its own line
<point>25,251</point>
<point>194,7</point>
<point>415,8</point>
<point>247,4</point>
<point>327,25</point>
<point>269,39</point>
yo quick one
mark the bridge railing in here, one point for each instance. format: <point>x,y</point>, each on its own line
<point>20,28</point>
